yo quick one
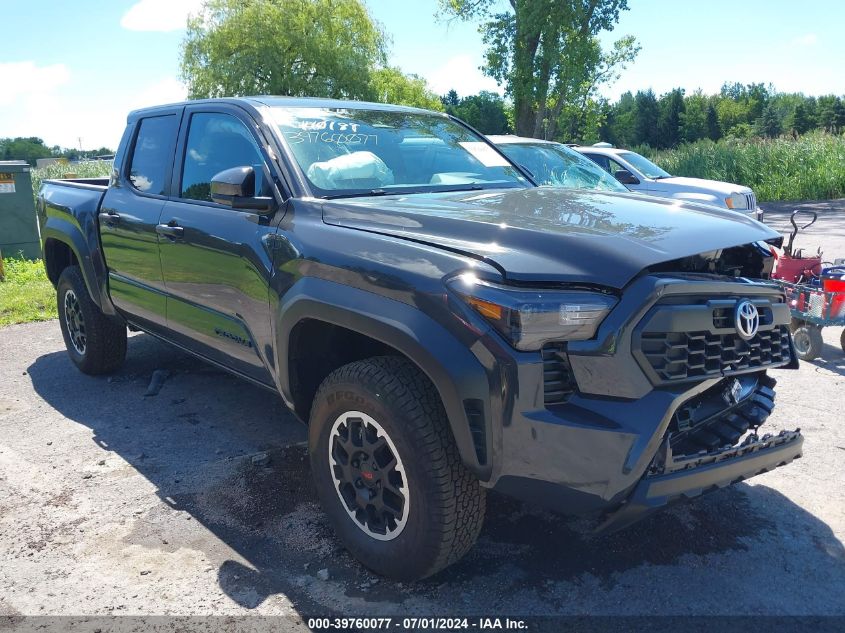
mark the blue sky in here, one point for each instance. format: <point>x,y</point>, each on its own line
<point>72,70</point>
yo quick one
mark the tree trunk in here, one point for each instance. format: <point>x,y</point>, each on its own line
<point>524,115</point>
<point>527,39</point>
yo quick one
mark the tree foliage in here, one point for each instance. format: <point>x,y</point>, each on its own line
<point>546,54</point>
<point>24,148</point>
<point>390,85</point>
<point>738,111</point>
<point>32,148</point>
<point>485,111</point>
<point>319,48</point>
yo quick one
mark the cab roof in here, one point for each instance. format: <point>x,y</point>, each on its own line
<point>289,102</point>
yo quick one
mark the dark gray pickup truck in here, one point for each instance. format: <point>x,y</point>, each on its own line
<point>442,324</point>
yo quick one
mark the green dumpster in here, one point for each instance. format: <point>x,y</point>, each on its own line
<point>18,224</point>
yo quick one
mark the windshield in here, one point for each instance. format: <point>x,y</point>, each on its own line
<point>644,166</point>
<point>350,151</point>
<point>558,166</point>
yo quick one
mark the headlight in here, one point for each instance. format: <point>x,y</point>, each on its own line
<point>529,318</point>
<point>736,201</point>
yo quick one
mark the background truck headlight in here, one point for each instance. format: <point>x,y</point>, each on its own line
<point>737,201</point>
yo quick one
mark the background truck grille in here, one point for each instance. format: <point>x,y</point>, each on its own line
<point>751,201</point>
<point>558,383</point>
<point>676,356</point>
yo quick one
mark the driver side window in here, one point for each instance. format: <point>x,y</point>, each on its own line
<point>613,166</point>
<point>216,142</point>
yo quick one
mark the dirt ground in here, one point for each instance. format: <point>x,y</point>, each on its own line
<point>197,500</point>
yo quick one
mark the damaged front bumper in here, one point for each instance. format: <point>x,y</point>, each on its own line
<point>688,476</point>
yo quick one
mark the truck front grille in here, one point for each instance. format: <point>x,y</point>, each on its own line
<point>751,201</point>
<point>676,356</point>
<point>558,383</point>
<point>692,338</point>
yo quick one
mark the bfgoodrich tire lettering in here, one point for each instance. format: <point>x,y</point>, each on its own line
<point>445,502</point>
<point>96,343</point>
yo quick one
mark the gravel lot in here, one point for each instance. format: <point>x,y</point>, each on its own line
<point>197,500</point>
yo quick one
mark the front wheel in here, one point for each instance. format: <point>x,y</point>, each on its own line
<point>95,342</point>
<point>387,470</point>
<point>808,341</point>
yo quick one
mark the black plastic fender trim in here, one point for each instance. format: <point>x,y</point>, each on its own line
<point>456,372</point>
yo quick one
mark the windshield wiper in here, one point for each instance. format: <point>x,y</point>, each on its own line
<point>459,188</point>
<point>367,194</point>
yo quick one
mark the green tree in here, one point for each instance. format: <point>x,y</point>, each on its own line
<point>545,52</point>
<point>450,99</point>
<point>484,111</point>
<point>618,127</point>
<point>321,48</point>
<point>694,117</point>
<point>579,111</point>
<point>799,122</point>
<point>672,110</point>
<point>770,123</point>
<point>390,85</point>
<point>646,117</point>
<point>20,148</point>
<point>714,128</point>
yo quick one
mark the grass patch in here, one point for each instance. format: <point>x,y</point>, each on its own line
<point>811,167</point>
<point>25,293</point>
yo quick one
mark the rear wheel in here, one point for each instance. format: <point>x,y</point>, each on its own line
<point>808,341</point>
<point>95,342</point>
<point>387,470</point>
<point>842,340</point>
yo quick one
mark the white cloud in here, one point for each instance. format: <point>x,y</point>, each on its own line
<point>96,115</point>
<point>462,74</point>
<point>24,79</point>
<point>808,39</point>
<point>159,15</point>
<point>167,90</point>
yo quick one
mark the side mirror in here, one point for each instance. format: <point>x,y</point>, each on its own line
<point>625,177</point>
<point>235,188</point>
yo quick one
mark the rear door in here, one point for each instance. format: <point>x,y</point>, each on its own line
<point>129,214</point>
<point>217,262</point>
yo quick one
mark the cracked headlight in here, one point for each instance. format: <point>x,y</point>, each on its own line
<point>529,317</point>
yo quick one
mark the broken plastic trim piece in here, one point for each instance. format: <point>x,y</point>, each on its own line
<point>688,476</point>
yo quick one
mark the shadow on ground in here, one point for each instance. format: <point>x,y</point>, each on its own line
<point>229,454</point>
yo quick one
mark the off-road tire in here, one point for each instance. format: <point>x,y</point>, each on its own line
<point>104,348</point>
<point>447,504</point>
<point>842,340</point>
<point>808,341</point>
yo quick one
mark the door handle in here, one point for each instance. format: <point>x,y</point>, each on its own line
<point>110,218</point>
<point>171,230</point>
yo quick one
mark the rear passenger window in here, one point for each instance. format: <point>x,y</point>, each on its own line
<point>152,154</point>
<point>217,142</point>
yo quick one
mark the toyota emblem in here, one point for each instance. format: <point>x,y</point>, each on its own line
<point>747,319</point>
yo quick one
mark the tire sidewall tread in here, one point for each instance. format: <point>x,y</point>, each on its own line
<point>105,347</point>
<point>446,501</point>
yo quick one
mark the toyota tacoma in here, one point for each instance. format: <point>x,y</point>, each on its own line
<point>442,324</point>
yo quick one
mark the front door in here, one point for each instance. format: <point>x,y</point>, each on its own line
<point>129,214</point>
<point>217,261</point>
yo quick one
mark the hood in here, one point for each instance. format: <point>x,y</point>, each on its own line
<point>549,234</point>
<point>696,185</point>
